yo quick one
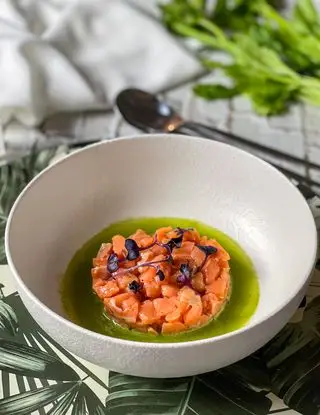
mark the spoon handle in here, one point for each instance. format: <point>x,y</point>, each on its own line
<point>208,131</point>
<point>193,128</point>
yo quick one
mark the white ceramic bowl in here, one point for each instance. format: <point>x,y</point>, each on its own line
<point>163,175</point>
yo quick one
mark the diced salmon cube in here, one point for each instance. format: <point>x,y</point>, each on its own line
<point>222,253</point>
<point>125,279</point>
<point>105,250</point>
<point>100,272</point>
<point>174,315</point>
<point>174,327</point>
<point>152,289</point>
<point>161,233</point>
<point>106,289</point>
<point>118,244</point>
<point>147,313</point>
<point>194,312</point>
<point>148,275</point>
<point>163,306</point>
<point>219,287</point>
<point>169,290</point>
<point>191,235</point>
<point>142,239</point>
<point>211,304</point>
<point>197,256</point>
<point>198,282</point>
<point>211,270</point>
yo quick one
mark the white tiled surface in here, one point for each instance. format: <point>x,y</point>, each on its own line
<point>297,132</point>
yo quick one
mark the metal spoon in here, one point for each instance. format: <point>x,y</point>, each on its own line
<point>147,113</point>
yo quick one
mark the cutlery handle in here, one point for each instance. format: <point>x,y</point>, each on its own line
<point>225,136</point>
<point>193,128</point>
<point>314,204</point>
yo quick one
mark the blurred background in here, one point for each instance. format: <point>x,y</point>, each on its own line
<point>63,63</point>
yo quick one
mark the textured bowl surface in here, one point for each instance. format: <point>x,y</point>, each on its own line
<point>163,175</point>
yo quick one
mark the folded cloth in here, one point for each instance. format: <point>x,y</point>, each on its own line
<point>76,55</point>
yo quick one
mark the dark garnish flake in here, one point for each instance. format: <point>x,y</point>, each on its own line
<point>208,250</point>
<point>133,249</point>
<point>170,259</point>
<point>113,263</point>
<point>135,286</point>
<point>182,279</point>
<point>131,244</point>
<point>186,274</point>
<point>174,243</point>
<point>181,231</point>
<point>132,255</point>
<point>186,270</point>
<point>160,275</point>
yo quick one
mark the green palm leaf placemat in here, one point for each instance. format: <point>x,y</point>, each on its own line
<point>38,376</point>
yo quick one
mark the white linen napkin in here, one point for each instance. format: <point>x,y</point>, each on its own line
<point>76,55</point>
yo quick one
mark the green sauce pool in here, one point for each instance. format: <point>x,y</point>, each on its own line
<point>84,308</point>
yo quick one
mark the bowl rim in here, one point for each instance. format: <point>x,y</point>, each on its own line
<point>154,345</point>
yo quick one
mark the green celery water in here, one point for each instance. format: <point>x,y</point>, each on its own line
<point>84,308</point>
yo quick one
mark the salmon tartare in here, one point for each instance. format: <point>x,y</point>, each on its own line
<point>169,282</point>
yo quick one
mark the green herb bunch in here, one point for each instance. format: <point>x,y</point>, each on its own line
<point>274,60</point>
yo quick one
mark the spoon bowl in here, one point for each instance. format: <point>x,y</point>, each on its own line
<point>146,112</point>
